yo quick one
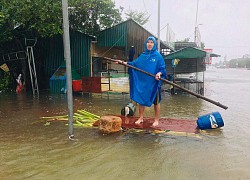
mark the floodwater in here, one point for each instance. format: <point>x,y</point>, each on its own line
<point>31,150</point>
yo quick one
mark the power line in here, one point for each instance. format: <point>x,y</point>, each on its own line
<point>147,13</point>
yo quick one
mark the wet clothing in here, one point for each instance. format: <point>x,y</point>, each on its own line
<point>144,88</point>
<point>157,98</point>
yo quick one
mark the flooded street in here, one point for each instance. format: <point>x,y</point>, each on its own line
<point>31,150</point>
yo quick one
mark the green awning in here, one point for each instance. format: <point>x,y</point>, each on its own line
<point>187,53</point>
<point>214,55</point>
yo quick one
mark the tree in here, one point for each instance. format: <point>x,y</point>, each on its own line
<point>91,16</point>
<point>44,17</point>
<point>239,63</point>
<point>139,17</point>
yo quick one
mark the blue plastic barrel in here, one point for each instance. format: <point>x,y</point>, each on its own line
<point>210,121</point>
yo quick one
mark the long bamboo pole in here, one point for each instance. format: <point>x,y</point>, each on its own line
<point>173,84</point>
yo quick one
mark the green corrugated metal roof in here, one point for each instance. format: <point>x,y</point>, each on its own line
<point>126,34</point>
<point>114,36</point>
<point>187,53</point>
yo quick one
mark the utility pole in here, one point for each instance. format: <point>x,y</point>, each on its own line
<point>159,40</point>
<point>196,26</point>
<point>67,57</point>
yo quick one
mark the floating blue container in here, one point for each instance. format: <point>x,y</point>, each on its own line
<point>210,121</point>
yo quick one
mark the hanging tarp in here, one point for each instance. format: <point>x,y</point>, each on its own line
<point>58,79</point>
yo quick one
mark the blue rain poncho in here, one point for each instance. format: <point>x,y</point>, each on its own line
<point>143,88</point>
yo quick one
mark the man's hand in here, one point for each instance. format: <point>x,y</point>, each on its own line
<point>158,76</point>
<point>120,62</point>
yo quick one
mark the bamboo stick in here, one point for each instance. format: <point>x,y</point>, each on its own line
<point>173,84</point>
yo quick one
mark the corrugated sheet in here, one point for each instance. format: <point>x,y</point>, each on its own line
<point>187,53</point>
<point>137,36</point>
<point>80,53</point>
<point>114,36</point>
<point>58,86</point>
<point>124,35</point>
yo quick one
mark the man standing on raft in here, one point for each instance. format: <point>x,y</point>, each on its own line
<point>146,90</point>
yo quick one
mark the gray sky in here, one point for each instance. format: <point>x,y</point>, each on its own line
<point>225,23</point>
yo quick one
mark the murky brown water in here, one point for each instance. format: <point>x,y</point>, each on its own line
<point>35,151</point>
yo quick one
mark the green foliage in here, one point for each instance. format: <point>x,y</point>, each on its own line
<point>44,17</point>
<point>5,81</point>
<point>1,17</point>
<point>91,16</point>
<point>139,17</point>
<point>4,31</point>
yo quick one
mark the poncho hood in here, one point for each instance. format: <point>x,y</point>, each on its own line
<point>155,45</point>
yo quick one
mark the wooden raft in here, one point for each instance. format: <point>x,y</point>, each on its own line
<point>165,124</point>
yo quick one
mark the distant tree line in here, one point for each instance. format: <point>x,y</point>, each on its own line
<point>243,62</point>
<point>239,63</point>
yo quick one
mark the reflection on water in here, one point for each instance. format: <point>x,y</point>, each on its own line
<point>35,151</point>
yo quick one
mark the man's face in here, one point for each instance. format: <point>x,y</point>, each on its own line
<point>150,45</point>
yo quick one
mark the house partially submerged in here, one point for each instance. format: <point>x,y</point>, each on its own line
<point>186,66</point>
<point>123,41</point>
<point>48,57</point>
<point>52,61</point>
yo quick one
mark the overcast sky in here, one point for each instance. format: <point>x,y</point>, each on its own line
<point>225,23</point>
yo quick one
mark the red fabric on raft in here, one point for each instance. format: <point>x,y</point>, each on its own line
<point>165,124</point>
